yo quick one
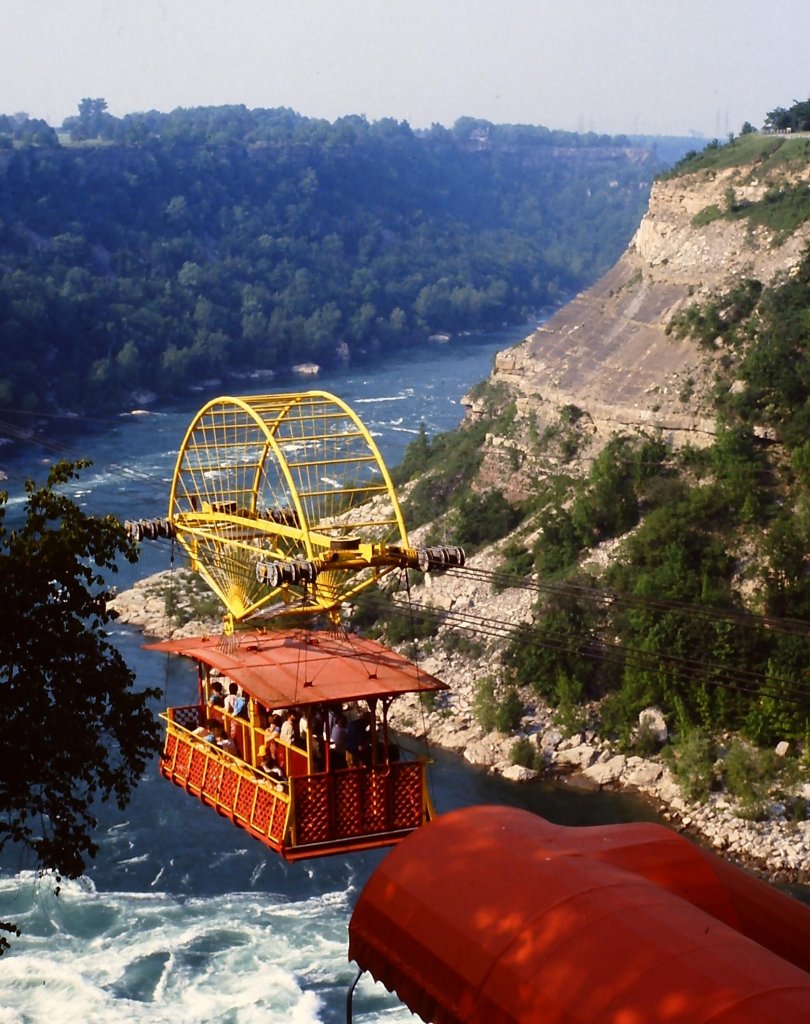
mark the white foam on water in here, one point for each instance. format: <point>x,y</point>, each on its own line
<point>382,398</point>
<point>258,871</point>
<point>141,859</point>
<point>224,856</point>
<point>90,957</point>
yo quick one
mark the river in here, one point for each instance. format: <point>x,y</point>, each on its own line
<point>181,917</point>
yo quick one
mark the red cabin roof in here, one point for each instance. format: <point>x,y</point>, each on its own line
<point>491,915</point>
<point>292,667</point>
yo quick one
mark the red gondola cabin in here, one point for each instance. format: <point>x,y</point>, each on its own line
<point>310,802</point>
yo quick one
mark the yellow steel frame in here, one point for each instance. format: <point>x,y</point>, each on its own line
<point>284,477</point>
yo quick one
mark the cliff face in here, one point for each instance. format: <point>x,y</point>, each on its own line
<point>606,357</point>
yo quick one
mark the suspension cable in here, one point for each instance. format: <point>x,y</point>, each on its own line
<point>594,647</point>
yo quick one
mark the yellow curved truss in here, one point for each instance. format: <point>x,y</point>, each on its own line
<point>280,478</point>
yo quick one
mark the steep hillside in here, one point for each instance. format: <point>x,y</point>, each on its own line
<point>632,487</point>
<point>610,353</point>
<point>632,481</point>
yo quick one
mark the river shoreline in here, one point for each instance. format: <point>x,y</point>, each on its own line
<point>778,849</point>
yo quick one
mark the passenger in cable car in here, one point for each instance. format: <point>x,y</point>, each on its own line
<point>289,730</point>
<point>358,740</point>
<point>204,731</point>
<point>231,698</point>
<point>222,740</point>
<point>270,765</point>
<point>337,742</point>
<point>312,724</point>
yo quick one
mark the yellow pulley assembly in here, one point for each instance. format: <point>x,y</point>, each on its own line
<point>285,500</point>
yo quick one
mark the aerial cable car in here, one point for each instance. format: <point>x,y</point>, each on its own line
<point>285,507</point>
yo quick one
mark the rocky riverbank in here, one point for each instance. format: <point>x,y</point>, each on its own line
<point>777,847</point>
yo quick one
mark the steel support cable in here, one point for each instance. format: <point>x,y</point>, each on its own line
<point>595,647</point>
<point>608,598</point>
<point>737,676</point>
<point>599,649</point>
<point>410,606</point>
<point>173,592</point>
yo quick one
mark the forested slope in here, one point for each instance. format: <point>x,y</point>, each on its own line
<point>146,252</point>
<point>643,462</point>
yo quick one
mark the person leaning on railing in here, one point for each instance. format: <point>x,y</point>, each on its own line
<point>270,766</point>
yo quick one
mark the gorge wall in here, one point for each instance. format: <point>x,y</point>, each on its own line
<point>607,357</point>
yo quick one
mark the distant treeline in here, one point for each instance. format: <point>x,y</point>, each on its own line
<point>149,251</point>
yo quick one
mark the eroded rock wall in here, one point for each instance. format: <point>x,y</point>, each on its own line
<point>607,354</point>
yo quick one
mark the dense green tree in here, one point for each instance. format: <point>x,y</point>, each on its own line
<point>795,118</point>
<point>78,731</point>
<point>483,518</point>
<point>285,239</point>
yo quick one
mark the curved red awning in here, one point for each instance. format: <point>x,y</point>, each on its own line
<point>316,667</point>
<point>493,914</point>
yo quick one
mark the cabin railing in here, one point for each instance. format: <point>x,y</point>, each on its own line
<point>222,781</point>
<point>308,814</point>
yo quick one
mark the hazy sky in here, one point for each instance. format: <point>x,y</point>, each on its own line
<point>648,66</point>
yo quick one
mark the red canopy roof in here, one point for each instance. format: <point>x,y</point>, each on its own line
<point>491,914</point>
<point>293,667</point>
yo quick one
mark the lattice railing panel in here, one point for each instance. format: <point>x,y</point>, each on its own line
<point>262,819</point>
<point>169,753</point>
<point>340,807</point>
<point>311,802</point>
<point>270,815</point>
<point>227,788</point>
<point>196,769</point>
<point>213,778</point>
<point>245,793</point>
<point>348,810</point>
<point>375,802</point>
<point>278,829</point>
<point>182,761</point>
<point>407,795</point>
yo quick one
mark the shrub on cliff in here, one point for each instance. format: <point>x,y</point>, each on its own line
<point>525,753</point>
<point>483,518</point>
<point>749,774</point>
<point>692,761</point>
